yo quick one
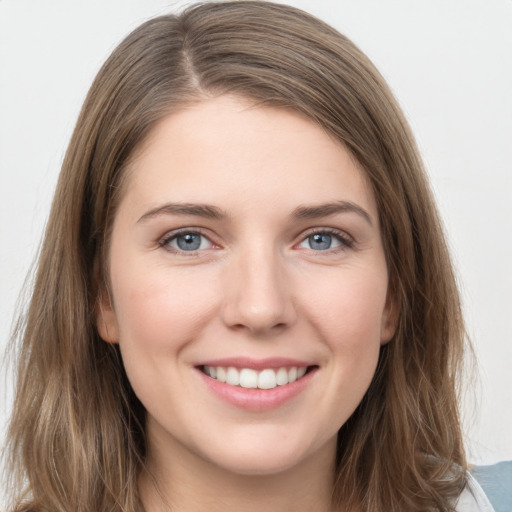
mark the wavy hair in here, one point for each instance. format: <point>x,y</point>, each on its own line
<point>76,437</point>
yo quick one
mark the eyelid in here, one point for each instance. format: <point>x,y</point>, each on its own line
<point>347,241</point>
<point>164,241</point>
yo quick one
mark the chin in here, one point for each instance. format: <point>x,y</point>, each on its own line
<point>268,457</point>
<point>258,464</point>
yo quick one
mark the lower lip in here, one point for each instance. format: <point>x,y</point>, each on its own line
<point>257,400</point>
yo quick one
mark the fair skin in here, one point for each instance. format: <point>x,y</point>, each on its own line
<point>246,238</point>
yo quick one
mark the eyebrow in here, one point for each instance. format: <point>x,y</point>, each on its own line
<point>213,212</point>
<point>328,209</point>
<point>197,210</point>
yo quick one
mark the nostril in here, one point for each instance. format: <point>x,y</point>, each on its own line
<point>260,329</point>
<point>258,303</point>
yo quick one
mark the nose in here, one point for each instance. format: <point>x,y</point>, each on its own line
<point>258,295</point>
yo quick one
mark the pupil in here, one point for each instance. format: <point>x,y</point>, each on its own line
<point>320,241</point>
<point>189,242</point>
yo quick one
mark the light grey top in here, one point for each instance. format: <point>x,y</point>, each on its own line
<point>473,498</point>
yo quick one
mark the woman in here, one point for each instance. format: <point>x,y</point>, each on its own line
<point>244,299</point>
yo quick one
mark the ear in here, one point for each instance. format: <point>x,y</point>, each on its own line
<point>390,317</point>
<point>106,321</point>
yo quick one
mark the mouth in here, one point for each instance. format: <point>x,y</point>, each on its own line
<point>257,385</point>
<point>249,378</point>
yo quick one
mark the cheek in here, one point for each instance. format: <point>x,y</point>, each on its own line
<point>158,310</point>
<point>158,316</point>
<point>349,311</point>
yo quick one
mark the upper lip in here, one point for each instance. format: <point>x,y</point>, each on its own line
<point>256,364</point>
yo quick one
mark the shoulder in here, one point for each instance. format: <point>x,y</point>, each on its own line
<point>496,482</point>
<point>473,498</point>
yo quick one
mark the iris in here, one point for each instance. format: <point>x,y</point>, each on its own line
<point>320,241</point>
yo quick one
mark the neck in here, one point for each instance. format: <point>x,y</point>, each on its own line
<point>181,483</point>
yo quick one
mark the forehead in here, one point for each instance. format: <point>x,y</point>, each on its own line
<point>225,148</point>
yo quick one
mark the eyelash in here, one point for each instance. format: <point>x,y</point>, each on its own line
<point>346,242</point>
<point>167,239</point>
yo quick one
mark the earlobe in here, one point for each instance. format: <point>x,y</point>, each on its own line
<point>106,321</point>
<point>389,320</point>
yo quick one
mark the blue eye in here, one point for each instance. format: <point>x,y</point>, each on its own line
<point>188,241</point>
<point>325,240</point>
<point>320,241</point>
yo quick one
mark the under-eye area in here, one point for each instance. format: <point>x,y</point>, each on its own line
<point>268,378</point>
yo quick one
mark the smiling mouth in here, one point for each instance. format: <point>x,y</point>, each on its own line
<point>268,378</point>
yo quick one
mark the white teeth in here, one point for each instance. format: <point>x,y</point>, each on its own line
<point>251,379</point>
<point>248,378</point>
<point>267,379</point>
<point>221,374</point>
<point>232,377</point>
<point>282,376</point>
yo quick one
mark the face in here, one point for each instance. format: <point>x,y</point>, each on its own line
<point>249,288</point>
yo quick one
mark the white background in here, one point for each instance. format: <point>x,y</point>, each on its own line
<point>448,61</point>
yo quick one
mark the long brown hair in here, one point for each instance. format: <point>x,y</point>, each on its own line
<point>77,431</point>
